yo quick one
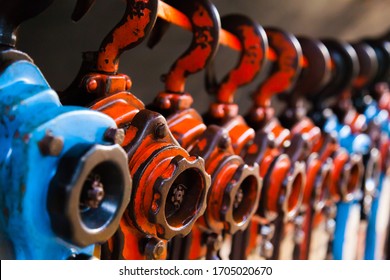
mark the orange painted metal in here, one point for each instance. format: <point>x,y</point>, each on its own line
<point>170,186</point>
<point>253,56</point>
<point>332,175</point>
<point>289,67</point>
<point>331,172</point>
<point>245,141</point>
<point>129,32</point>
<point>226,38</point>
<point>286,175</point>
<point>235,186</point>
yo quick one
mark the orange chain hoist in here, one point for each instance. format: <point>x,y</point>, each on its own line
<point>256,147</point>
<point>170,186</point>
<point>235,186</point>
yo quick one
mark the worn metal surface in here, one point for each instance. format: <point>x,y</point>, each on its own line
<point>335,95</point>
<point>284,180</point>
<point>235,187</point>
<point>29,175</point>
<point>170,186</point>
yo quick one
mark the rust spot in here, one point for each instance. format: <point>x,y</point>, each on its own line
<point>16,134</point>
<point>26,138</point>
<point>248,67</point>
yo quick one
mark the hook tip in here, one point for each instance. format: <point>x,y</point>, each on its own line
<point>81,8</point>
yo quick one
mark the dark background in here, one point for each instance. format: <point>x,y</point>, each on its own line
<point>56,43</point>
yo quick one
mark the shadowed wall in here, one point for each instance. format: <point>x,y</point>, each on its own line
<point>56,43</point>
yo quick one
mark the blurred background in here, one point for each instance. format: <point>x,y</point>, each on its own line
<point>56,43</point>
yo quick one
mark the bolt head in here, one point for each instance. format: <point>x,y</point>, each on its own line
<point>115,135</point>
<point>178,196</point>
<point>51,145</point>
<point>238,198</point>
<point>160,131</point>
<point>154,249</point>
<point>92,85</point>
<point>93,192</point>
<point>224,142</point>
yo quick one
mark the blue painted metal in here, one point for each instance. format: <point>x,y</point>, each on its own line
<point>348,209</point>
<point>29,108</point>
<point>381,117</point>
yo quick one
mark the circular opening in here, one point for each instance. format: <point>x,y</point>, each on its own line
<point>245,199</point>
<point>101,195</point>
<point>295,194</point>
<point>353,182</point>
<point>184,198</point>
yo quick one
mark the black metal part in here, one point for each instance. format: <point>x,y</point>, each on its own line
<point>13,13</point>
<point>345,70</point>
<point>299,149</point>
<point>382,51</point>
<point>369,67</point>
<point>239,244</point>
<point>317,73</point>
<point>71,217</point>
<point>118,243</point>
<point>368,62</point>
<point>80,257</point>
<point>160,28</point>
<point>81,8</point>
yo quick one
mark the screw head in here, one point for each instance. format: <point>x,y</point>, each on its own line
<point>238,198</point>
<point>224,142</point>
<point>154,249</point>
<point>115,135</point>
<point>178,195</point>
<point>92,85</point>
<point>93,192</point>
<point>51,145</point>
<point>160,131</point>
